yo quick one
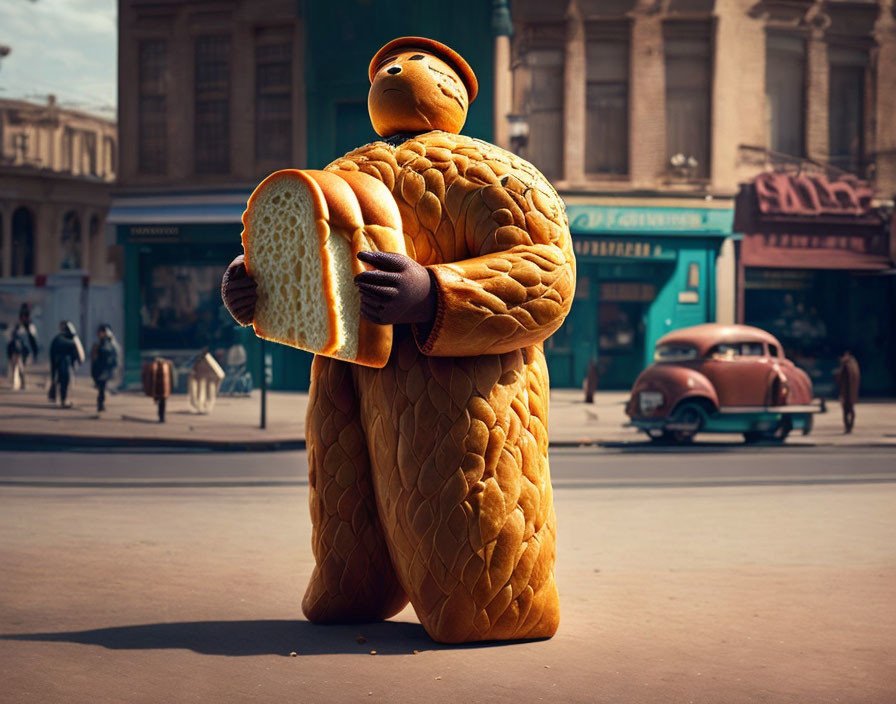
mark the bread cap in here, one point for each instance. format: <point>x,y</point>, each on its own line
<point>444,52</point>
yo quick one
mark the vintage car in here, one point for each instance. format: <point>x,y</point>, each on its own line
<point>721,379</point>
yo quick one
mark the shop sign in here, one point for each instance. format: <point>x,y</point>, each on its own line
<point>620,249</point>
<point>691,221</point>
<point>860,244</point>
<point>627,291</point>
<point>153,233</point>
<point>811,194</point>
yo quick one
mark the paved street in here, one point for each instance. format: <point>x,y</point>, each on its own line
<point>177,577</point>
<point>698,466</point>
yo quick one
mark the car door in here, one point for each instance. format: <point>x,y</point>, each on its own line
<point>740,373</point>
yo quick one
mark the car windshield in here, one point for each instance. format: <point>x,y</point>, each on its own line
<point>674,353</point>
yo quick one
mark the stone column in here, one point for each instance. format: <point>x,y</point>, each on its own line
<point>885,77</point>
<point>502,29</point>
<point>726,283</point>
<point>574,97</point>
<point>648,99</point>
<point>86,254</point>
<point>47,232</point>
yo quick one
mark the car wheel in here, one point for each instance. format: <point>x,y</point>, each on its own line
<point>691,414</point>
<point>778,434</point>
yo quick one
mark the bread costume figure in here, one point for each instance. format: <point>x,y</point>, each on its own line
<point>429,475</point>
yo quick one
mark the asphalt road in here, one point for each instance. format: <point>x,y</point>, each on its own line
<point>581,466</point>
<point>751,576</point>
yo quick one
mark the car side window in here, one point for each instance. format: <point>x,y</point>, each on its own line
<point>752,349</point>
<point>724,351</point>
<point>773,351</point>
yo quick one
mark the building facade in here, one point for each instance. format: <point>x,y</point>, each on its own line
<point>56,172</point>
<point>214,96</point>
<point>648,115</point>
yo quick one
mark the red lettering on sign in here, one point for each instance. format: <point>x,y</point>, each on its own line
<point>811,194</point>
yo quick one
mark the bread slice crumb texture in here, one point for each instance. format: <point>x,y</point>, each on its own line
<point>284,256</point>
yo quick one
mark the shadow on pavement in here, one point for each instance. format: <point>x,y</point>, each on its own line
<point>242,638</point>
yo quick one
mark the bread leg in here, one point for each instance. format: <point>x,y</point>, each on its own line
<point>353,579</point>
<point>460,469</point>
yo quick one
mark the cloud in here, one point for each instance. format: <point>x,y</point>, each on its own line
<point>67,47</point>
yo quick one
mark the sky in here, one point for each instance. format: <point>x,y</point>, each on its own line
<point>65,47</point>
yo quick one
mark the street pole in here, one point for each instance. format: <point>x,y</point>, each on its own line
<point>264,384</point>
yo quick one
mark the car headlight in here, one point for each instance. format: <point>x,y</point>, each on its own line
<point>649,401</point>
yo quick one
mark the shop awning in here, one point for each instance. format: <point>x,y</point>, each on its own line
<point>178,208</point>
<point>818,251</point>
<point>806,221</point>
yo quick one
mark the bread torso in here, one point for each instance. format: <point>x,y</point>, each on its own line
<point>432,177</point>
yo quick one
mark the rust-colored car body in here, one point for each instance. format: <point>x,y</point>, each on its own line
<point>721,378</point>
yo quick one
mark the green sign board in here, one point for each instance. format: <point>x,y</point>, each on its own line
<point>621,248</point>
<point>600,219</point>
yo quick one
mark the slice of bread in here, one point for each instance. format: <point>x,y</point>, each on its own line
<point>301,233</point>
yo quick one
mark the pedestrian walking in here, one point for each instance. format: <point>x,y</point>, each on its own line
<point>22,343</point>
<point>848,378</point>
<point>103,361</point>
<point>66,352</point>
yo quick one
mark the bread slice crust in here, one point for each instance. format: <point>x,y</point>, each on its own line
<point>259,238</point>
<point>344,213</point>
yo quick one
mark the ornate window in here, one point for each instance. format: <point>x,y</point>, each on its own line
<point>273,102</point>
<point>212,96</point>
<point>22,259</point>
<point>539,94</point>
<point>846,110</point>
<point>607,98</point>
<point>152,131</point>
<point>688,54</point>
<point>785,93</point>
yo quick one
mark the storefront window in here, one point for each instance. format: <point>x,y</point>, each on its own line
<point>817,314</point>
<point>181,307</point>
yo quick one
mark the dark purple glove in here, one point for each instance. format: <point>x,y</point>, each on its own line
<point>399,290</point>
<point>238,290</point>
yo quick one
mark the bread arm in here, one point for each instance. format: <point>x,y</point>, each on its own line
<point>520,288</point>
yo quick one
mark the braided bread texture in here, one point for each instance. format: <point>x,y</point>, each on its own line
<point>429,477</point>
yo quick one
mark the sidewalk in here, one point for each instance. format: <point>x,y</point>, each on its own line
<point>27,418</point>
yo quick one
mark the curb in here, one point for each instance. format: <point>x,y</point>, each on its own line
<point>52,442</point>
<point>59,443</point>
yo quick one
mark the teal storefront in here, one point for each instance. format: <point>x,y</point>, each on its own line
<point>641,272</point>
<point>176,247</point>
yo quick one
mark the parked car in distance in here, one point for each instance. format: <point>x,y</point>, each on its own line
<point>721,379</point>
